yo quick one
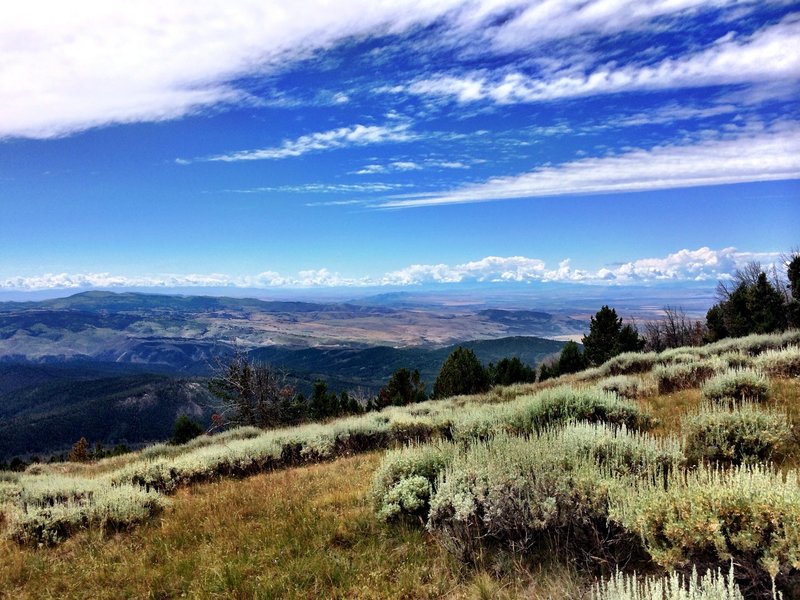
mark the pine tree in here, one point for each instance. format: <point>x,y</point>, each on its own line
<point>461,373</point>
<point>571,360</point>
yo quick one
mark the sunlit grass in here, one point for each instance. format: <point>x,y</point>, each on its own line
<point>299,533</point>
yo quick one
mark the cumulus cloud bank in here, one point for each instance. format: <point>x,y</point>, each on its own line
<point>702,264</point>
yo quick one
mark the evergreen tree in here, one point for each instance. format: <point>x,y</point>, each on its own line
<point>607,337</point>
<point>509,371</point>
<point>461,373</point>
<point>629,340</point>
<point>715,324</point>
<point>793,274</point>
<point>404,387</point>
<point>323,404</point>
<point>548,371</point>
<point>793,305</point>
<point>571,360</point>
<point>185,429</point>
<point>766,307</point>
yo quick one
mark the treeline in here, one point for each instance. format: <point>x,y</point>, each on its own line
<point>81,451</point>
<point>753,302</point>
<point>259,394</point>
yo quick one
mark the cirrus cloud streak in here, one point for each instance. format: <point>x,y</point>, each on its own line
<point>755,154</point>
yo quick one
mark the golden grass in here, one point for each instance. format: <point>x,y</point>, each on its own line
<point>298,533</point>
<point>308,532</point>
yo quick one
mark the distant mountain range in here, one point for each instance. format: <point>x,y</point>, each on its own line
<point>121,367</point>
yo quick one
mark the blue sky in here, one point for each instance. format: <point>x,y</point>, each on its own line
<point>319,145</point>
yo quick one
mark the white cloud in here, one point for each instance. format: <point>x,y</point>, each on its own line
<point>324,188</point>
<point>754,155</point>
<point>408,165</point>
<point>405,165</point>
<point>489,269</point>
<point>671,114</point>
<point>763,58</point>
<point>67,67</point>
<point>550,20</point>
<point>702,264</point>
<point>357,135</point>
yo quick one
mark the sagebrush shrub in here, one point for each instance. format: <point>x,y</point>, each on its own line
<point>782,363</point>
<point>680,376</point>
<point>625,386</point>
<point>49,509</point>
<point>738,385</point>
<point>713,585</point>
<point>397,488</point>
<point>708,516</point>
<point>518,491</point>
<point>745,433</point>
<point>631,362</point>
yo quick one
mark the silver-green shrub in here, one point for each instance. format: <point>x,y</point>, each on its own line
<point>738,385</point>
<point>683,375</point>
<point>49,509</point>
<point>397,487</point>
<point>515,491</point>
<point>744,433</point>
<point>631,362</point>
<point>708,516</point>
<point>782,363</point>
<point>625,386</point>
<point>713,585</point>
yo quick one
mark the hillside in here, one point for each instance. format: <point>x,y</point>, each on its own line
<point>317,529</point>
<point>51,415</point>
<point>47,407</point>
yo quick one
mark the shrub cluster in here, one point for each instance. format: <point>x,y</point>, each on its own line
<point>738,385</point>
<point>630,363</point>
<point>682,375</point>
<point>47,509</point>
<point>625,386</point>
<point>554,406</point>
<point>782,363</point>
<point>744,433</point>
<point>515,491</point>
<point>163,468</point>
<point>600,491</point>
<point>708,517</point>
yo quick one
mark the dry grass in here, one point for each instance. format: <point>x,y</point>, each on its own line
<point>301,533</point>
<point>308,532</point>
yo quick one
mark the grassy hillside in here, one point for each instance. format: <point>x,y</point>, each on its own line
<point>353,527</point>
<point>45,408</point>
